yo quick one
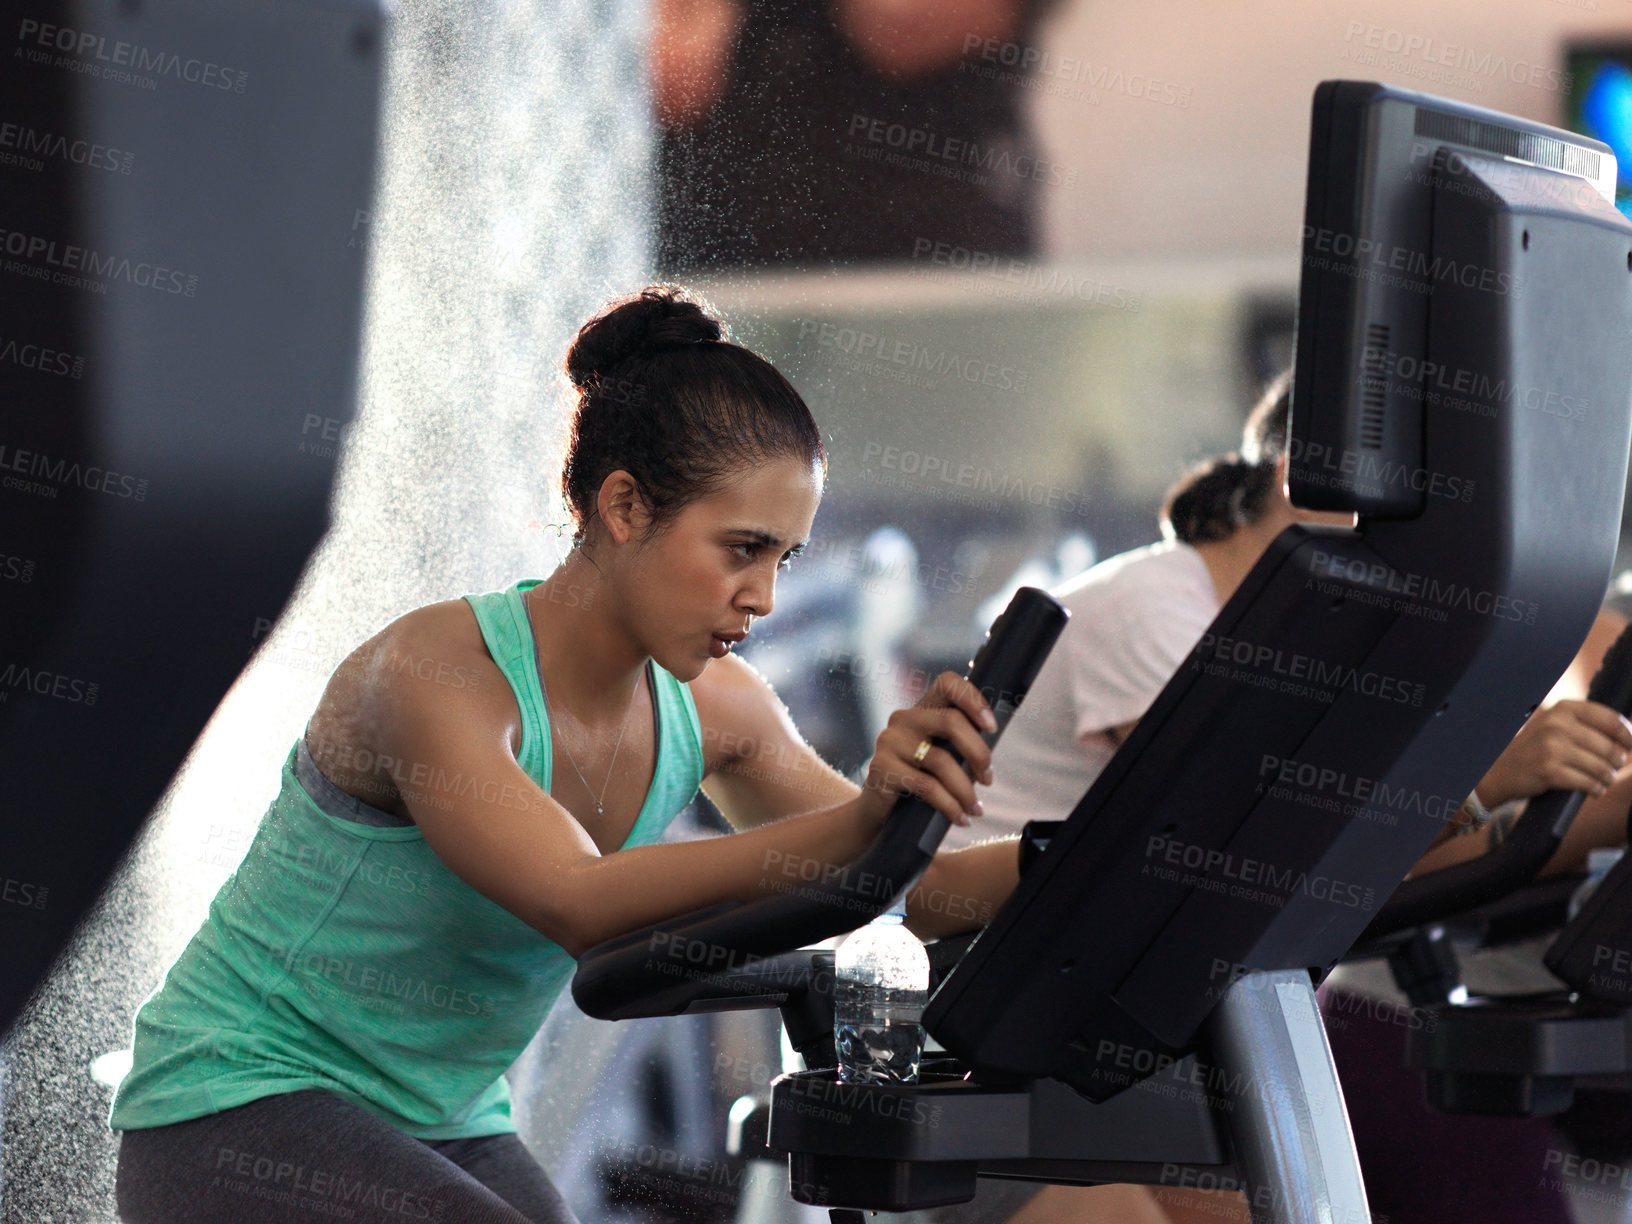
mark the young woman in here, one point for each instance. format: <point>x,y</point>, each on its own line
<point>474,803</point>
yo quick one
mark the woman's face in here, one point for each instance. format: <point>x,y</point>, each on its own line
<point>702,581</point>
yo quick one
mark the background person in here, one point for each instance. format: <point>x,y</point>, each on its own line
<point>833,131</point>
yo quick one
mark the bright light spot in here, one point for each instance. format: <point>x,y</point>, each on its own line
<point>110,1068</point>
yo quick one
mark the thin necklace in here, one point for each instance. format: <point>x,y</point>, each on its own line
<point>600,812</point>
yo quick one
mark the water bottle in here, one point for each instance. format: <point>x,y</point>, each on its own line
<point>881,983</point>
<point>1599,860</point>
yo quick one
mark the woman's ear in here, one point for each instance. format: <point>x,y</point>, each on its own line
<point>621,507</point>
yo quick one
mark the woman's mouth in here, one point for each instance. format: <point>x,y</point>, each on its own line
<point>720,645</point>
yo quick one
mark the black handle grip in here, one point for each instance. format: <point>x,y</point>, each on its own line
<point>1003,669</point>
<point>680,963</point>
<point>1531,845</point>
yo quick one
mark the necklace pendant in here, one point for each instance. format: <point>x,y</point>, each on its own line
<point>599,810</point>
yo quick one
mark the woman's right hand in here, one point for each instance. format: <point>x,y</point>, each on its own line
<point>954,710</point>
<point>1570,745</point>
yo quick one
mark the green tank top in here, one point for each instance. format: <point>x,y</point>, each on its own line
<point>345,956</point>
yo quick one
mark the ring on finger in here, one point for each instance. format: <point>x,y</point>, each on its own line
<point>920,752</point>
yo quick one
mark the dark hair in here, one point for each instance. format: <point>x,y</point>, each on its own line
<point>665,396</point>
<point>1217,498</point>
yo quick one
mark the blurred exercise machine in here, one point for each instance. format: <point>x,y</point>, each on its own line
<point>187,204</point>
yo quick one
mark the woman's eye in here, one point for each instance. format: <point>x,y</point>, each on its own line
<point>749,552</point>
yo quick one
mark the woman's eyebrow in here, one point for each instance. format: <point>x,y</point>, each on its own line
<point>760,536</point>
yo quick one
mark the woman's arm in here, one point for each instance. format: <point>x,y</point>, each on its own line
<point>766,771</point>
<point>962,889</point>
<point>757,767</point>
<point>1600,822</point>
<point>514,844</point>
<point>1571,745</point>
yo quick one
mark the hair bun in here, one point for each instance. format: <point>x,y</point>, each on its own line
<point>1215,499</point>
<point>654,318</point>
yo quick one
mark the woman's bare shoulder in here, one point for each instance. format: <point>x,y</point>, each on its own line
<point>438,642</point>
<point>436,652</point>
<point>723,683</point>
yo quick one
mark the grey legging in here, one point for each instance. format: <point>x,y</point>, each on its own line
<point>309,1156</point>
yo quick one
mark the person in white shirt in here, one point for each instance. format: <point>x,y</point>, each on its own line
<point>1134,619</point>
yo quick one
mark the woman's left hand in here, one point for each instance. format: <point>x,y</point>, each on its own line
<point>953,710</point>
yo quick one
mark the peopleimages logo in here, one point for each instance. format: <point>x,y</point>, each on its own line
<point>322,1191</point>
<point>1015,279</point>
<point>1423,376</point>
<point>952,150</point>
<point>385,984</point>
<point>1349,469</point>
<point>1302,674</point>
<point>40,358</point>
<point>1475,175</point>
<point>1321,779</point>
<point>983,484</point>
<point>68,258</point>
<point>59,471</point>
<point>1432,52</point>
<point>1408,263</point>
<point>1577,1168</point>
<point>864,347</point>
<point>17,892</point>
<point>19,677</point>
<point>1190,1079</point>
<point>23,143</point>
<point>1245,878</point>
<point>1037,66</point>
<point>94,51</point>
<point>1377,582</point>
<point>848,1099</point>
<point>852,558</point>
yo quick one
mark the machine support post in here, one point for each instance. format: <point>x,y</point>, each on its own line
<point>1293,1147</point>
